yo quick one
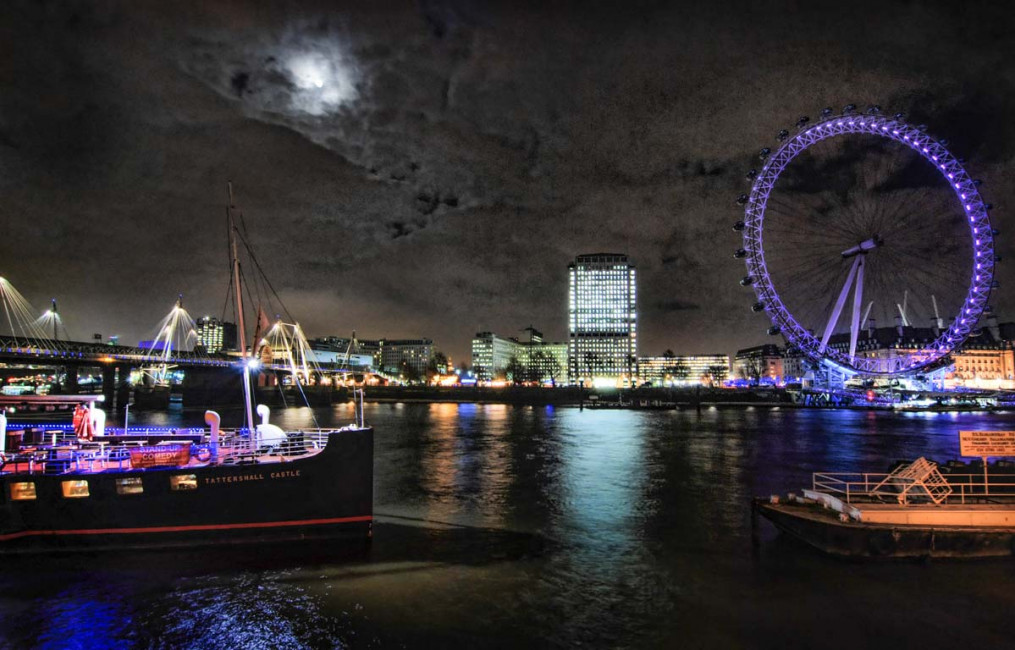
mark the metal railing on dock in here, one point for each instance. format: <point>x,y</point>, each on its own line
<point>861,487</point>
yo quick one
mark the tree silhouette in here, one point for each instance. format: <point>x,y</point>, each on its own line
<point>515,370</point>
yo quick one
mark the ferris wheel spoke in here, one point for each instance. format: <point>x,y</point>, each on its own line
<point>920,285</point>
<point>802,222</point>
<point>919,259</point>
<point>816,299</point>
<point>915,220</point>
<point>907,211</point>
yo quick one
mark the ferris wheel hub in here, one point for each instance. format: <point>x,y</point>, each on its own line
<point>863,247</point>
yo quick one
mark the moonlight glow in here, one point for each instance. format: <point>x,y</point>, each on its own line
<point>323,82</point>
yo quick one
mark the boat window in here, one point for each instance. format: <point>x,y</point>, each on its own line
<point>74,489</point>
<point>23,491</point>
<point>130,485</point>
<point>183,482</point>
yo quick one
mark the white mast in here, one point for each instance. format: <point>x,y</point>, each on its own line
<point>239,314</point>
<point>866,314</point>
<point>938,323</point>
<point>903,307</point>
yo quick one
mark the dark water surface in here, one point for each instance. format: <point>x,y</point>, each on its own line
<point>503,526</point>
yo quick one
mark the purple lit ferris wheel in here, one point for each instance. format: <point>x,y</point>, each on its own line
<point>868,205</point>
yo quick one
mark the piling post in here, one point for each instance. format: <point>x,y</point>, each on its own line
<point>755,534</point>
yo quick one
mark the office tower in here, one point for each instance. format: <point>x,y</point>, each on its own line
<point>602,320</point>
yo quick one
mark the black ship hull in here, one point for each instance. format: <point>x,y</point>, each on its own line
<point>325,495</point>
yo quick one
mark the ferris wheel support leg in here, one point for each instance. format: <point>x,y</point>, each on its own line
<point>854,328</point>
<point>839,305</point>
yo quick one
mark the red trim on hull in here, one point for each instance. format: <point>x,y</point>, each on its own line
<point>178,529</point>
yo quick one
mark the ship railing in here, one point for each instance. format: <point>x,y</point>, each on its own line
<point>59,460</point>
<point>237,446</point>
<point>234,447</point>
<point>859,487</point>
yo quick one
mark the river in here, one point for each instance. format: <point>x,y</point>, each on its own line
<point>514,526</point>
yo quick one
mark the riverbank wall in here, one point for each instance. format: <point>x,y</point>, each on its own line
<point>574,396</point>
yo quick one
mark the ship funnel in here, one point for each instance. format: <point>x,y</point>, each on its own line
<point>264,412</point>
<point>213,419</point>
<point>98,421</point>
<point>266,435</point>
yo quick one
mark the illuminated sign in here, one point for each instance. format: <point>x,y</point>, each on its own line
<point>259,476</point>
<point>160,456</point>
<point>982,444</point>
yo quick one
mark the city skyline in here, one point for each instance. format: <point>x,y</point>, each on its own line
<point>425,171</point>
<point>692,349</point>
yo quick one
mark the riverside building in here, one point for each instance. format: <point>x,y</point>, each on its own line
<point>759,364</point>
<point>496,357</point>
<point>684,369</point>
<point>602,320</point>
<point>986,361</point>
<point>398,355</point>
<point>491,355</point>
<point>215,335</point>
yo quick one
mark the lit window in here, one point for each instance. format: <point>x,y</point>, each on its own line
<point>183,482</point>
<point>74,489</point>
<point>131,485</point>
<point>23,491</point>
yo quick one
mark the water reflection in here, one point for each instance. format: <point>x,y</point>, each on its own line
<point>504,526</point>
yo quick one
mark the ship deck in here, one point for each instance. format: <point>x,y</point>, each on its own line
<point>970,515</point>
<point>119,454</point>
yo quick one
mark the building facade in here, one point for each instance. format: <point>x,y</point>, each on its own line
<point>983,367</point>
<point>491,355</point>
<point>545,363</point>
<point>795,366</point>
<point>986,361</point>
<point>400,355</point>
<point>602,320</point>
<point>501,358</point>
<point>357,354</point>
<point>760,364</point>
<point>215,335</point>
<point>684,370</point>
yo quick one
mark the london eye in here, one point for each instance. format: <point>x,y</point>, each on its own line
<point>859,224</point>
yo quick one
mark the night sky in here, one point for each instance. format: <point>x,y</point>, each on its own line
<point>430,168</point>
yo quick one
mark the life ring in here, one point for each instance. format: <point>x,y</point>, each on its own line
<point>202,454</point>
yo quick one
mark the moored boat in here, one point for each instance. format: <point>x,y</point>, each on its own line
<point>131,490</point>
<point>86,488</point>
<point>913,512</point>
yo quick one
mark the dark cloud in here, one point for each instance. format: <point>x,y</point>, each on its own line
<point>677,305</point>
<point>430,169</point>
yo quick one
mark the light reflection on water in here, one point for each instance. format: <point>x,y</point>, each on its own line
<point>503,526</point>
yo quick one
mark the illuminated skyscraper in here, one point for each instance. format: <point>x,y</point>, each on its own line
<point>215,335</point>
<point>602,320</point>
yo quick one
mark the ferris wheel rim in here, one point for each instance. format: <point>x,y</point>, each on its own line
<point>961,184</point>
